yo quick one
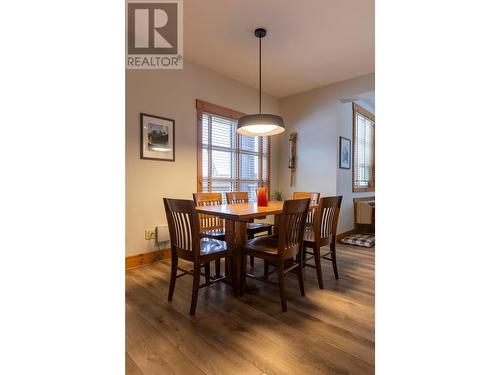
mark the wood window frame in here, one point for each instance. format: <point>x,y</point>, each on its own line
<point>206,107</point>
<point>358,109</point>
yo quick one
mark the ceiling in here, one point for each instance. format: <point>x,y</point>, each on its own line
<point>309,44</point>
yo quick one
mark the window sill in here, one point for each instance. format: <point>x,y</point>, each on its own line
<point>364,190</point>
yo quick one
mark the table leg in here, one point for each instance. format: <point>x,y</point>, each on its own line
<point>235,237</point>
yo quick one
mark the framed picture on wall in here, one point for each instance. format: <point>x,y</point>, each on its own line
<point>157,138</point>
<point>344,153</point>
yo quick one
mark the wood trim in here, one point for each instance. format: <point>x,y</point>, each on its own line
<point>238,156</point>
<point>354,139</point>
<point>268,182</point>
<point>369,189</point>
<point>206,107</point>
<point>199,151</point>
<point>371,116</point>
<point>146,258</point>
<point>218,110</point>
<point>364,112</point>
<point>260,177</point>
<point>203,106</point>
<point>360,199</point>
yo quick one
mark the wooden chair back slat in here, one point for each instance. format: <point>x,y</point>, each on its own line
<point>184,227</point>
<point>291,227</point>
<point>314,197</point>
<point>237,197</point>
<point>208,222</point>
<point>326,218</point>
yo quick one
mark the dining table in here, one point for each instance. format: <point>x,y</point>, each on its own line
<point>236,217</point>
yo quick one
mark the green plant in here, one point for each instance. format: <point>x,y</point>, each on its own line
<point>278,195</point>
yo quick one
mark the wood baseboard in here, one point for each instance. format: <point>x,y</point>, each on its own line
<point>146,258</point>
<point>345,234</point>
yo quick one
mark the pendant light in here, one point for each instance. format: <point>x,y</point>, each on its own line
<point>261,124</point>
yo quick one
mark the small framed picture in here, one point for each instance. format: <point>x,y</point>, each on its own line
<point>344,153</point>
<point>157,138</point>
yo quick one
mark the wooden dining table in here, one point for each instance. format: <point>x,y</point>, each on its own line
<point>236,217</point>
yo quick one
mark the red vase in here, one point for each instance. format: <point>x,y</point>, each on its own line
<point>262,197</point>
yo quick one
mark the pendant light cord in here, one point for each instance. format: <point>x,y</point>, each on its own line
<point>260,75</point>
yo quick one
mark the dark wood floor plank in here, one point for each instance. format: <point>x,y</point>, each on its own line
<point>150,352</point>
<point>327,307</point>
<point>131,367</point>
<point>306,325</point>
<point>333,361</point>
<point>205,350</point>
<point>330,331</point>
<point>246,333</point>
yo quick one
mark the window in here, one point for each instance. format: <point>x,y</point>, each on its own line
<point>363,171</point>
<point>228,161</point>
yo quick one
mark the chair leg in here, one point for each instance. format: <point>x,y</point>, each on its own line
<point>303,253</point>
<point>300,275</point>
<point>334,260</point>
<point>173,276</point>
<point>280,269</point>
<point>270,231</point>
<point>243,273</point>
<point>266,268</point>
<point>207,273</point>
<point>317,261</point>
<point>234,276</point>
<point>196,286</point>
<point>251,236</point>
<point>217,268</point>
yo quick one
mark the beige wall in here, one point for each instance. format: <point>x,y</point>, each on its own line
<point>172,94</point>
<point>316,116</point>
<point>319,116</point>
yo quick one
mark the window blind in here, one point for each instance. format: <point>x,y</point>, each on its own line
<point>230,161</point>
<point>363,150</point>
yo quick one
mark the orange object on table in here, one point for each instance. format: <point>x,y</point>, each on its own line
<point>262,197</point>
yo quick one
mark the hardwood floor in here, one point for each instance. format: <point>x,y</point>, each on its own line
<point>328,331</point>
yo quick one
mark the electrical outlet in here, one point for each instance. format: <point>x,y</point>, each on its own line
<point>149,234</point>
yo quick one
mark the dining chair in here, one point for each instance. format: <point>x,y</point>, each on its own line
<point>211,226</point>
<point>186,243</point>
<point>314,197</point>
<point>252,228</point>
<point>282,250</point>
<point>323,233</point>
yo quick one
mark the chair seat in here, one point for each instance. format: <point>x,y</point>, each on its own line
<point>218,234</point>
<point>258,227</point>
<point>211,246</point>
<point>266,244</point>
